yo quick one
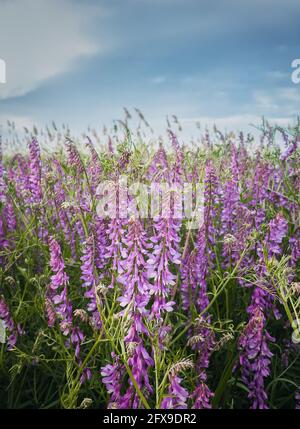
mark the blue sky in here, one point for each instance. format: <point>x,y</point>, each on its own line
<point>80,62</point>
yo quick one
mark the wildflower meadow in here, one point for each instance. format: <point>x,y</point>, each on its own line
<point>155,273</point>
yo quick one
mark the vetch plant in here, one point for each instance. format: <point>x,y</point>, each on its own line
<point>149,275</point>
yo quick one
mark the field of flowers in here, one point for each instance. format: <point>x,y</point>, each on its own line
<point>150,311</point>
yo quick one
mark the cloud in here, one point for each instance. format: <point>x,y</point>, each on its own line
<point>281,99</point>
<point>40,40</point>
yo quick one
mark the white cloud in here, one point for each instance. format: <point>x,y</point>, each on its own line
<point>265,100</point>
<point>283,99</point>
<point>41,39</point>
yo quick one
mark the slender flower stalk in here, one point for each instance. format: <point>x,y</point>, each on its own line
<point>35,168</point>
<point>57,302</point>
<point>165,251</point>
<point>74,158</point>
<point>255,358</point>
<point>94,167</point>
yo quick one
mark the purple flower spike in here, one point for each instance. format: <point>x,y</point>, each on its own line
<point>177,395</point>
<point>202,397</point>
<point>58,305</point>
<point>255,358</point>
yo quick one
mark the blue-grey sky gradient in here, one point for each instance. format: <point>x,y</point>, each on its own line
<point>79,62</point>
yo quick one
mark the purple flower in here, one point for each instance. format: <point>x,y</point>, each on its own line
<point>57,301</point>
<point>11,221</point>
<point>290,150</point>
<point>196,264</point>
<point>112,375</point>
<point>203,260</point>
<point>202,396</point>
<point>159,167</point>
<point>165,251</point>
<point>135,297</point>
<point>278,230</point>
<point>132,268</point>
<point>51,315</point>
<point>74,158</point>
<point>177,395</point>
<point>255,358</point>
<point>229,219</point>
<point>262,295</point>
<point>59,278</point>
<point>259,185</point>
<point>294,243</point>
<point>140,363</point>
<point>20,176</point>
<point>94,167</point>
